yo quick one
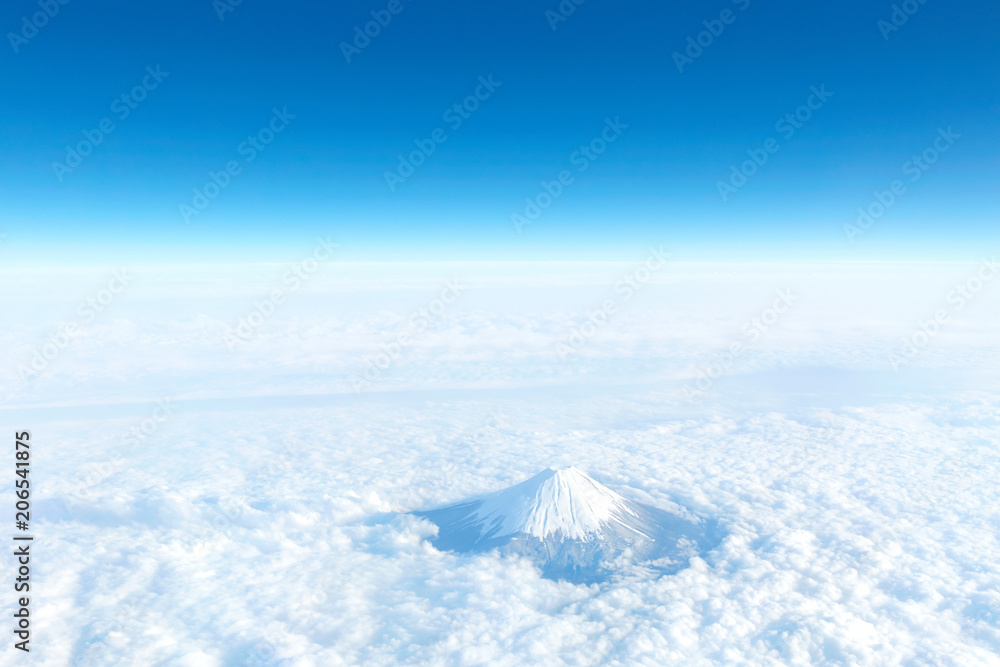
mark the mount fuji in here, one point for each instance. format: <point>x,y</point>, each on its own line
<point>572,527</point>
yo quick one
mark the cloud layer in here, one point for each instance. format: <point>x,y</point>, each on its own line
<point>260,521</point>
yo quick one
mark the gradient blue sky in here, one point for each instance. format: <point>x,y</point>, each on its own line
<point>656,185</point>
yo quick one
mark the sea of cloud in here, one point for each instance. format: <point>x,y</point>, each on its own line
<point>200,500</point>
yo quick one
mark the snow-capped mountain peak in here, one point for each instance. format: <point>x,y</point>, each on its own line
<point>556,503</point>
<point>572,526</point>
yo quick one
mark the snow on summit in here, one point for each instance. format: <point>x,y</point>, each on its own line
<point>558,504</point>
<point>571,526</point>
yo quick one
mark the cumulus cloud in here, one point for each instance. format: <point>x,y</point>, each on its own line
<point>265,520</point>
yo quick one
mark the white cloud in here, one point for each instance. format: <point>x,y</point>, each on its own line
<point>859,505</point>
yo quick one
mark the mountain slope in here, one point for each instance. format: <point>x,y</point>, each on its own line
<point>573,527</point>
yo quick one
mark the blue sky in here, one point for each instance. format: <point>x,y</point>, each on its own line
<point>657,182</point>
